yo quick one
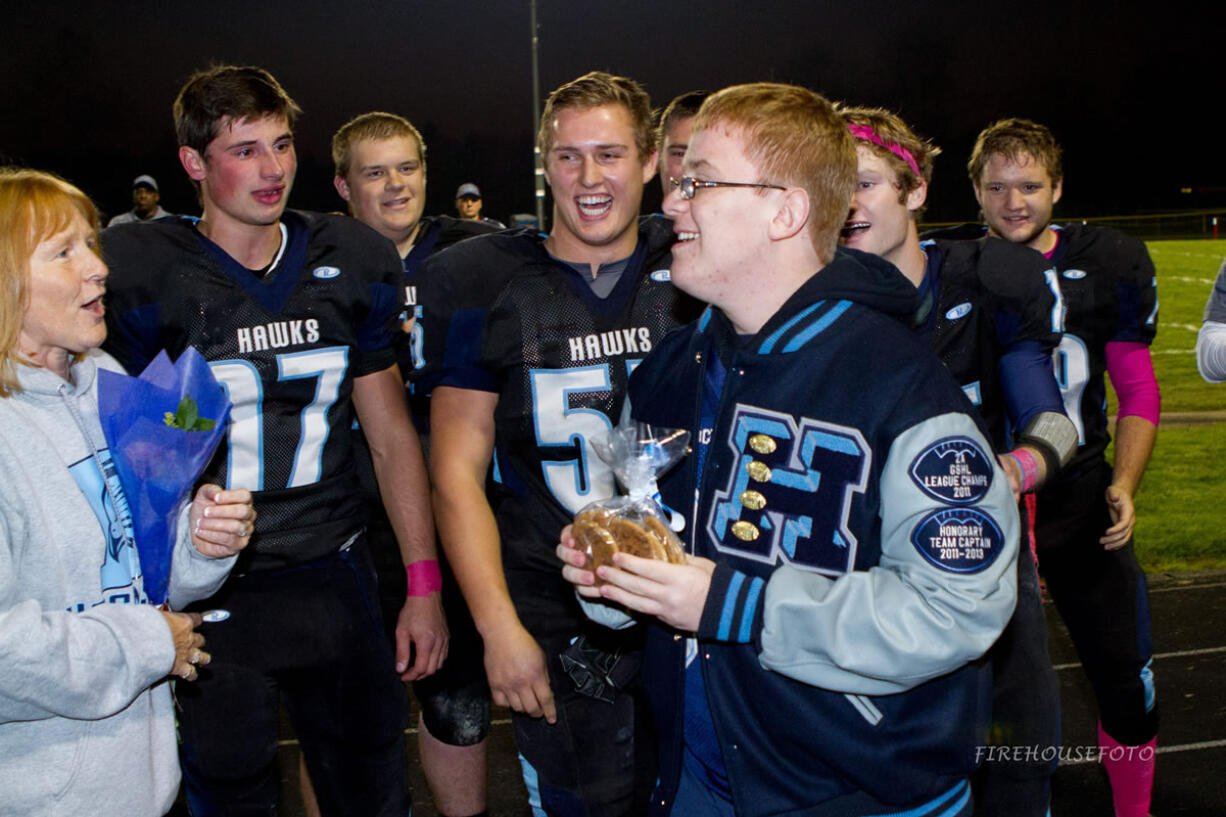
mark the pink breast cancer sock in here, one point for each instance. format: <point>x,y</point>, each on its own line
<point>1131,772</point>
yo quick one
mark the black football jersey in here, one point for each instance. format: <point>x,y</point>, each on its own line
<point>437,233</point>
<point>287,348</point>
<point>501,315</point>
<point>991,312</point>
<point>1110,294</point>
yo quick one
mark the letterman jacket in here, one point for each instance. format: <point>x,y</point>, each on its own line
<point>864,538</point>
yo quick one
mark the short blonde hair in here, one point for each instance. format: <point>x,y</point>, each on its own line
<point>374,126</point>
<point>33,206</point>
<point>796,137</point>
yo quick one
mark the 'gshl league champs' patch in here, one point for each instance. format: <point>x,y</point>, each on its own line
<point>954,469</point>
<point>960,540</point>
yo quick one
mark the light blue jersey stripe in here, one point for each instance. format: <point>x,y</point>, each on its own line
<point>725,619</point>
<point>751,605</point>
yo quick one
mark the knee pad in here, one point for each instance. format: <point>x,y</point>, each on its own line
<point>457,716</point>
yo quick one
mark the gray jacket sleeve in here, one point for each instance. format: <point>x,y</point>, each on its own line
<point>910,618</point>
<point>1211,341</point>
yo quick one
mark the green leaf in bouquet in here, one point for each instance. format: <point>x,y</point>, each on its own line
<point>188,418</point>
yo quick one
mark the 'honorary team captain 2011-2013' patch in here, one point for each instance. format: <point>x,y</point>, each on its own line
<point>953,469</point>
<point>960,540</point>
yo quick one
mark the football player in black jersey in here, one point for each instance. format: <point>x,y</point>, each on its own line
<point>380,161</point>
<point>991,312</point>
<point>296,313</point>
<point>528,344</point>
<point>1083,518</point>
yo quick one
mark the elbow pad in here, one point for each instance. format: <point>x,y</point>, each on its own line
<point>1054,435</point>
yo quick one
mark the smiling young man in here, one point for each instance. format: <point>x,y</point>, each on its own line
<point>1083,519</point>
<point>816,653</point>
<point>296,314</point>
<point>529,341</point>
<point>992,314</point>
<point>380,161</point>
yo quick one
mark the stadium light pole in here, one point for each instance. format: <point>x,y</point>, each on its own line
<point>538,161</point>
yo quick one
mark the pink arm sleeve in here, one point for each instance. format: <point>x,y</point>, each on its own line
<point>1132,374</point>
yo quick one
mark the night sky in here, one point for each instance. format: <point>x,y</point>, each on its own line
<point>1135,94</point>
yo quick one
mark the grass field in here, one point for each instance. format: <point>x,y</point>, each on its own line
<point>1179,519</point>
<point>1186,270</point>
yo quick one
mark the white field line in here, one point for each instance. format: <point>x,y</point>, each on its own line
<point>1162,750</point>
<point>1184,279</point>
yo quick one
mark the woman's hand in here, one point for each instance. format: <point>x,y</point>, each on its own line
<point>189,644</point>
<point>221,521</point>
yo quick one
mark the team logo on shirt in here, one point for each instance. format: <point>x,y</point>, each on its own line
<point>1074,274</point>
<point>959,311</point>
<point>324,273</point>
<point>958,540</point>
<point>661,276</point>
<point>953,469</point>
<point>789,493</point>
<point>119,573</point>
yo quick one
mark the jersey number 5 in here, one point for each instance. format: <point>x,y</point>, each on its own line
<point>581,477</point>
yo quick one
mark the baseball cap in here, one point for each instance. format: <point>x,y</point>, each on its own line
<point>468,189</point>
<point>147,181</point>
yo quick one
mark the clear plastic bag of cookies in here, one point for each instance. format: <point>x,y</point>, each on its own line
<point>634,522</point>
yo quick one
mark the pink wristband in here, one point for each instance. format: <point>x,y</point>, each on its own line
<point>423,578</point>
<point>1029,467</point>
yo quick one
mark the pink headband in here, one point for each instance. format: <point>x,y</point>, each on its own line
<point>869,135</point>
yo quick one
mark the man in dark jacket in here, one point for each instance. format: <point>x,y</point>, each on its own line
<point>852,536</point>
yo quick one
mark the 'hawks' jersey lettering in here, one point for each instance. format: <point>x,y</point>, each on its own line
<point>276,335</point>
<point>636,340</point>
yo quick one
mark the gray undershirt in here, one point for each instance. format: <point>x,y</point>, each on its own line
<point>607,275</point>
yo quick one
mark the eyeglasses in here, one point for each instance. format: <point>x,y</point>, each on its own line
<point>688,185</point>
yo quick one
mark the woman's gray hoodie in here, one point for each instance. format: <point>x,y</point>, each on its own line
<point>86,721</point>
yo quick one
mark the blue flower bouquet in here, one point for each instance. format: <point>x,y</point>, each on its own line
<point>162,429</point>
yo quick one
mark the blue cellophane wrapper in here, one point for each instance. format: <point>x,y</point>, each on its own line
<point>158,464</point>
